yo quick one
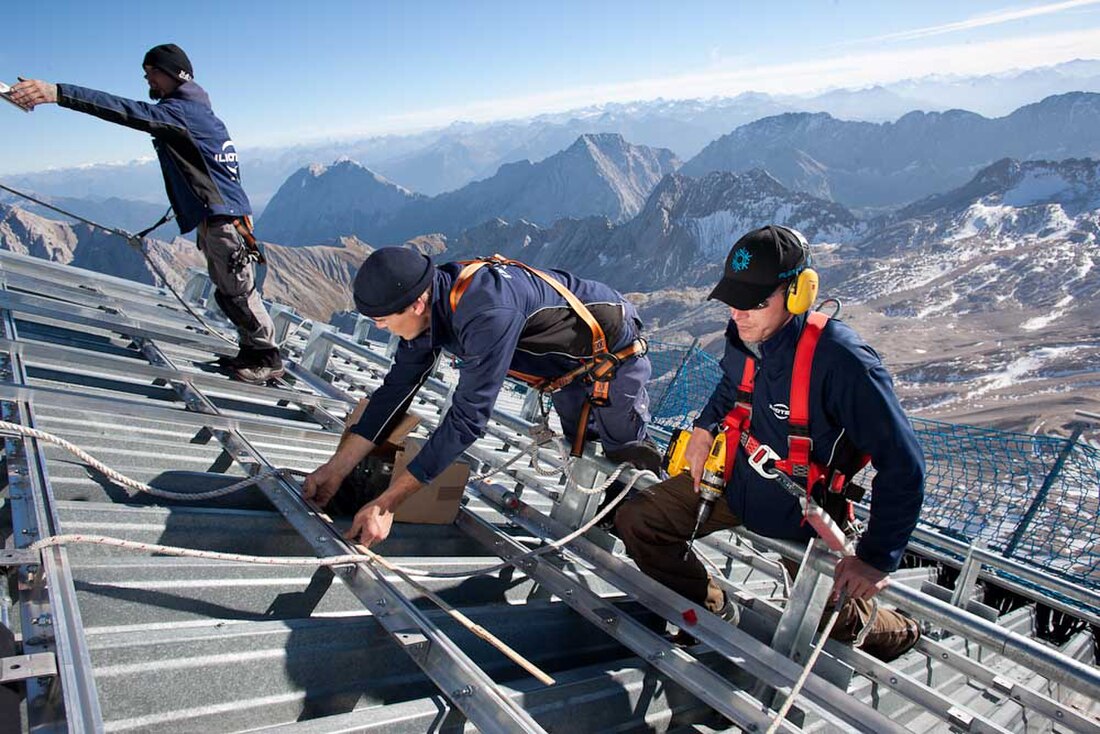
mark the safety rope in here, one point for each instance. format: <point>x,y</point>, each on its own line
<point>366,556</point>
<point>137,486</point>
<point>793,695</point>
<point>132,484</point>
<point>137,241</point>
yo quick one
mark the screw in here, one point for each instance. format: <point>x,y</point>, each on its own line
<point>462,692</point>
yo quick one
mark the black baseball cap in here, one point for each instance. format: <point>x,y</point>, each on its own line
<point>758,264</point>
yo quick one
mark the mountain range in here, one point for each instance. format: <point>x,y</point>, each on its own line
<point>445,159</point>
<point>600,175</point>
<point>983,300</point>
<point>862,164</point>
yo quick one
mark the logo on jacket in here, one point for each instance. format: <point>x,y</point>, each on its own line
<point>228,158</point>
<point>781,411</point>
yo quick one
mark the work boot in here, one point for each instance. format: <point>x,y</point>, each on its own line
<point>729,612</point>
<point>262,366</point>
<point>259,374</point>
<point>244,357</point>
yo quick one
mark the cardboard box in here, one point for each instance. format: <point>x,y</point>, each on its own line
<point>436,503</point>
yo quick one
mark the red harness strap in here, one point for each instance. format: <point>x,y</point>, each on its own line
<point>799,462</point>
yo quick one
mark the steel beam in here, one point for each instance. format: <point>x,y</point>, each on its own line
<point>711,688</point>
<point>470,688</point>
<point>49,614</point>
<point>737,646</point>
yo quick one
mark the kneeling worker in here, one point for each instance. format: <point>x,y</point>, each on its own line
<point>497,317</point>
<point>828,410</point>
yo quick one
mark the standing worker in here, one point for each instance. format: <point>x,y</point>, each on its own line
<point>202,177</point>
<point>497,317</point>
<point>803,387</point>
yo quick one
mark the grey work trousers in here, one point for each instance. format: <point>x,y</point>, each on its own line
<point>234,283</point>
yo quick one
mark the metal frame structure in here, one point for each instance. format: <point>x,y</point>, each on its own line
<point>141,361</point>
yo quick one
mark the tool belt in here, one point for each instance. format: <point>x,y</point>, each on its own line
<point>251,253</point>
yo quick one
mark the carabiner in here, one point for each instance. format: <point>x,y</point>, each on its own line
<point>760,458</point>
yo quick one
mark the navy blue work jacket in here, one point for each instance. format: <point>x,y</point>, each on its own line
<point>851,399</point>
<point>197,157</point>
<point>506,319</point>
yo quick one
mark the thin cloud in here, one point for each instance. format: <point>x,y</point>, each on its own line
<point>852,70</point>
<point>982,21</point>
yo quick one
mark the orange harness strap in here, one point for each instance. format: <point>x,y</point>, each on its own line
<point>605,362</point>
<point>600,369</point>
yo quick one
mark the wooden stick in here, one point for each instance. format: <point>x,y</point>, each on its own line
<point>458,616</point>
<point>462,619</point>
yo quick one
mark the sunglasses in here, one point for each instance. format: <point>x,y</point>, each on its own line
<point>764,304</point>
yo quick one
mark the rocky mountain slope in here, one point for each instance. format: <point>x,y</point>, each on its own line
<point>320,203</point>
<point>680,238</point>
<point>862,164</point>
<point>984,301</point>
<point>314,280</point>
<point>598,175</point>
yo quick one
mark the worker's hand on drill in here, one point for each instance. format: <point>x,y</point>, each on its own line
<point>29,93</point>
<point>695,455</point>
<point>857,579</point>
<point>371,524</point>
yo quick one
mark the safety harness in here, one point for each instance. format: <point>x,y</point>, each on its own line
<point>799,464</point>
<point>598,370</point>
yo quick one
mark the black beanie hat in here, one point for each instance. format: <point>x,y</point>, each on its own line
<point>170,58</point>
<point>390,279</point>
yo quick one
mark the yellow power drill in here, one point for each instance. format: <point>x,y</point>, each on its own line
<point>713,482</point>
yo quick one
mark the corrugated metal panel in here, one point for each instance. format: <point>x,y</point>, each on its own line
<point>158,643</point>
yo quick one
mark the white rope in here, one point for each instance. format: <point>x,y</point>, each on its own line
<point>137,486</point>
<point>294,332</point>
<point>532,449</point>
<point>121,479</point>
<point>168,550</point>
<point>598,489</point>
<point>785,709</point>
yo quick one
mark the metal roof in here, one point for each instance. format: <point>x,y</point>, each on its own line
<point>145,642</point>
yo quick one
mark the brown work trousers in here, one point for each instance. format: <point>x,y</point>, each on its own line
<point>655,525</point>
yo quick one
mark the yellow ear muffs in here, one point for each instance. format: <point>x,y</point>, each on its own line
<point>802,292</point>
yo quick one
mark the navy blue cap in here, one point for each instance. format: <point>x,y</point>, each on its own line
<point>390,279</point>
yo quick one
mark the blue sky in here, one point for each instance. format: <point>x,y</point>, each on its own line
<point>282,73</point>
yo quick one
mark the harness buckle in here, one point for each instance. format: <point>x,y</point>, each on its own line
<point>760,458</point>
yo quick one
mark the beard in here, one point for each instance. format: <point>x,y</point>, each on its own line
<point>155,94</point>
